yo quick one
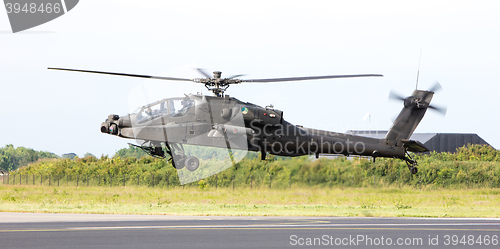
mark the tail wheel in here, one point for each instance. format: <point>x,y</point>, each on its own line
<point>411,163</point>
<point>413,170</point>
<point>192,163</point>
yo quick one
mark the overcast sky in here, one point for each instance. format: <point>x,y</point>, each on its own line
<point>61,111</point>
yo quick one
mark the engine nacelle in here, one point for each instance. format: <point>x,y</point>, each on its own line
<point>259,115</point>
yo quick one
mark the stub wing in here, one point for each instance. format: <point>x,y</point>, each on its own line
<point>414,146</point>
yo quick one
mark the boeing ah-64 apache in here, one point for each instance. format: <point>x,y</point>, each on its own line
<point>222,121</point>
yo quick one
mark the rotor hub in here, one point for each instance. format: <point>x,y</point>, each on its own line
<point>217,74</point>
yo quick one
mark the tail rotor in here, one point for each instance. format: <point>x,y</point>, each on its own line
<point>419,98</point>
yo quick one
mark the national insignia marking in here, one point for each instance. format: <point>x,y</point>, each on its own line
<point>244,110</point>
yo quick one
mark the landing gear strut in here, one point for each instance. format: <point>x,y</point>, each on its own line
<point>179,158</point>
<point>411,163</point>
<point>176,152</point>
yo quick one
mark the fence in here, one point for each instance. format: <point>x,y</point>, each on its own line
<point>258,180</point>
<point>90,180</point>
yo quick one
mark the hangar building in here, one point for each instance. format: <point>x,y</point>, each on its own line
<point>439,142</point>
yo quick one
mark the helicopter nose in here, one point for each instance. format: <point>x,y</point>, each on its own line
<point>113,129</point>
<point>105,127</point>
<point>112,124</point>
<point>113,117</point>
<point>124,121</point>
<point>110,128</point>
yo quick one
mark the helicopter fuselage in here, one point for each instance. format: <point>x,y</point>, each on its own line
<point>222,122</point>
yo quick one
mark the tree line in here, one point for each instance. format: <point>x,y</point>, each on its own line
<point>470,166</point>
<point>12,158</point>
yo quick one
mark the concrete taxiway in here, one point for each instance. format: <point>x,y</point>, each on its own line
<point>31,230</point>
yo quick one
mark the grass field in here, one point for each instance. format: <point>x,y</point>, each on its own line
<point>379,202</point>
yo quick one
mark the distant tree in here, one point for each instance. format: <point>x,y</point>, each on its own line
<point>69,156</point>
<point>46,154</point>
<point>12,158</point>
<point>88,154</point>
<point>131,151</point>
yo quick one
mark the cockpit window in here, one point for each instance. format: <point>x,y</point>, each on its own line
<point>152,111</point>
<point>175,108</point>
<point>179,107</point>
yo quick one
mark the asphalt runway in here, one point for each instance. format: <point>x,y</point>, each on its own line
<point>27,230</point>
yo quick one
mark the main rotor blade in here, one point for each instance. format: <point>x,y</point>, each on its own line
<point>311,78</point>
<point>122,74</point>
<point>236,76</point>
<point>204,73</point>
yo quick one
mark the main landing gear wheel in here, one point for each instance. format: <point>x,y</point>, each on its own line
<point>192,163</point>
<point>179,163</point>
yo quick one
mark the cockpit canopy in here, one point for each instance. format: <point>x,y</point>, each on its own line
<point>176,107</point>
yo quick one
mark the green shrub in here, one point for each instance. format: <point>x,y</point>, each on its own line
<point>470,166</point>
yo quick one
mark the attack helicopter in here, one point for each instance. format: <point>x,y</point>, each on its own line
<point>221,121</point>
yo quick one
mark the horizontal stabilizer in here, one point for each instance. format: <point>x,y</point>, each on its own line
<point>414,146</point>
